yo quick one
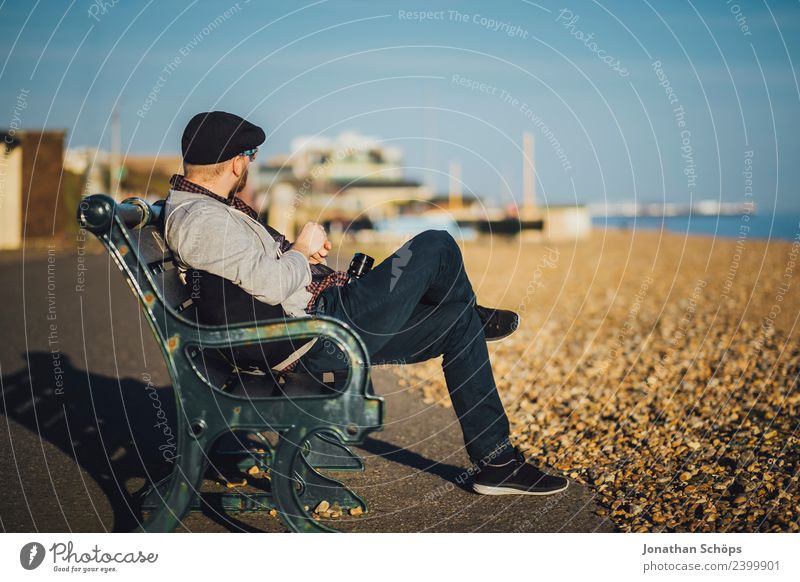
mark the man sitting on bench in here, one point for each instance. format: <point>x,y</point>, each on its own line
<point>416,305</point>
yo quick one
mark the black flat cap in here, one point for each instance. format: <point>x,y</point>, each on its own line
<point>216,136</point>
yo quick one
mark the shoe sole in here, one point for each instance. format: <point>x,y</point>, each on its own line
<point>500,490</point>
<point>502,337</point>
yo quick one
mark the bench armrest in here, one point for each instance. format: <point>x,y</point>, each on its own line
<point>300,328</point>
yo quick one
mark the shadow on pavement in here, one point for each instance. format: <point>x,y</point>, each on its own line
<point>414,460</point>
<point>111,427</point>
<point>119,430</point>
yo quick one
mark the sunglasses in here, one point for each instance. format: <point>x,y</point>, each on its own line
<point>250,154</point>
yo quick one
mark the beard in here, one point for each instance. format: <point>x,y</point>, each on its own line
<point>240,185</point>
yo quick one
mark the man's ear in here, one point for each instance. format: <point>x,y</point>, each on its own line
<point>239,166</point>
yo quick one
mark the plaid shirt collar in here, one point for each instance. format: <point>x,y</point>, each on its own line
<point>178,182</point>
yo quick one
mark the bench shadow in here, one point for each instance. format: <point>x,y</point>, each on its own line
<point>97,420</point>
<point>213,510</point>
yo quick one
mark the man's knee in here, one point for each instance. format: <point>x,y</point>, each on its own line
<point>437,240</point>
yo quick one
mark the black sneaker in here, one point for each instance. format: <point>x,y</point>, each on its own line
<point>497,323</point>
<point>516,477</point>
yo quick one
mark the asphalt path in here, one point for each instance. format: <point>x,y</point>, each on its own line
<point>78,439</point>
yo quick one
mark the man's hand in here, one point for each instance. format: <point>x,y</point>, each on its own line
<point>319,256</point>
<point>311,240</point>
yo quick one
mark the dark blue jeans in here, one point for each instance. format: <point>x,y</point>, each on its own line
<point>416,305</point>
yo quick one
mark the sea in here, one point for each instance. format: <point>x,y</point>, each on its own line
<point>781,226</point>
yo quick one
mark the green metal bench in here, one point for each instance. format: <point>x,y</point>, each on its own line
<point>314,422</point>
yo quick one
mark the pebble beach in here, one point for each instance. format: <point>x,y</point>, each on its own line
<point>659,369</point>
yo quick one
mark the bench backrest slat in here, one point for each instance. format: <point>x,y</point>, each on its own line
<point>154,254</point>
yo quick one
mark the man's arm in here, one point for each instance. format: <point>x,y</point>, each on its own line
<point>217,243</point>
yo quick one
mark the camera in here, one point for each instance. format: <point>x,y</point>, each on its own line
<point>360,265</point>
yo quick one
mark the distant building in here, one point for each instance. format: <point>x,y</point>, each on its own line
<point>568,222</point>
<point>31,172</point>
<point>145,176</point>
<point>348,181</point>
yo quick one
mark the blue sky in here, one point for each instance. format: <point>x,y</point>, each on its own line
<point>462,84</point>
